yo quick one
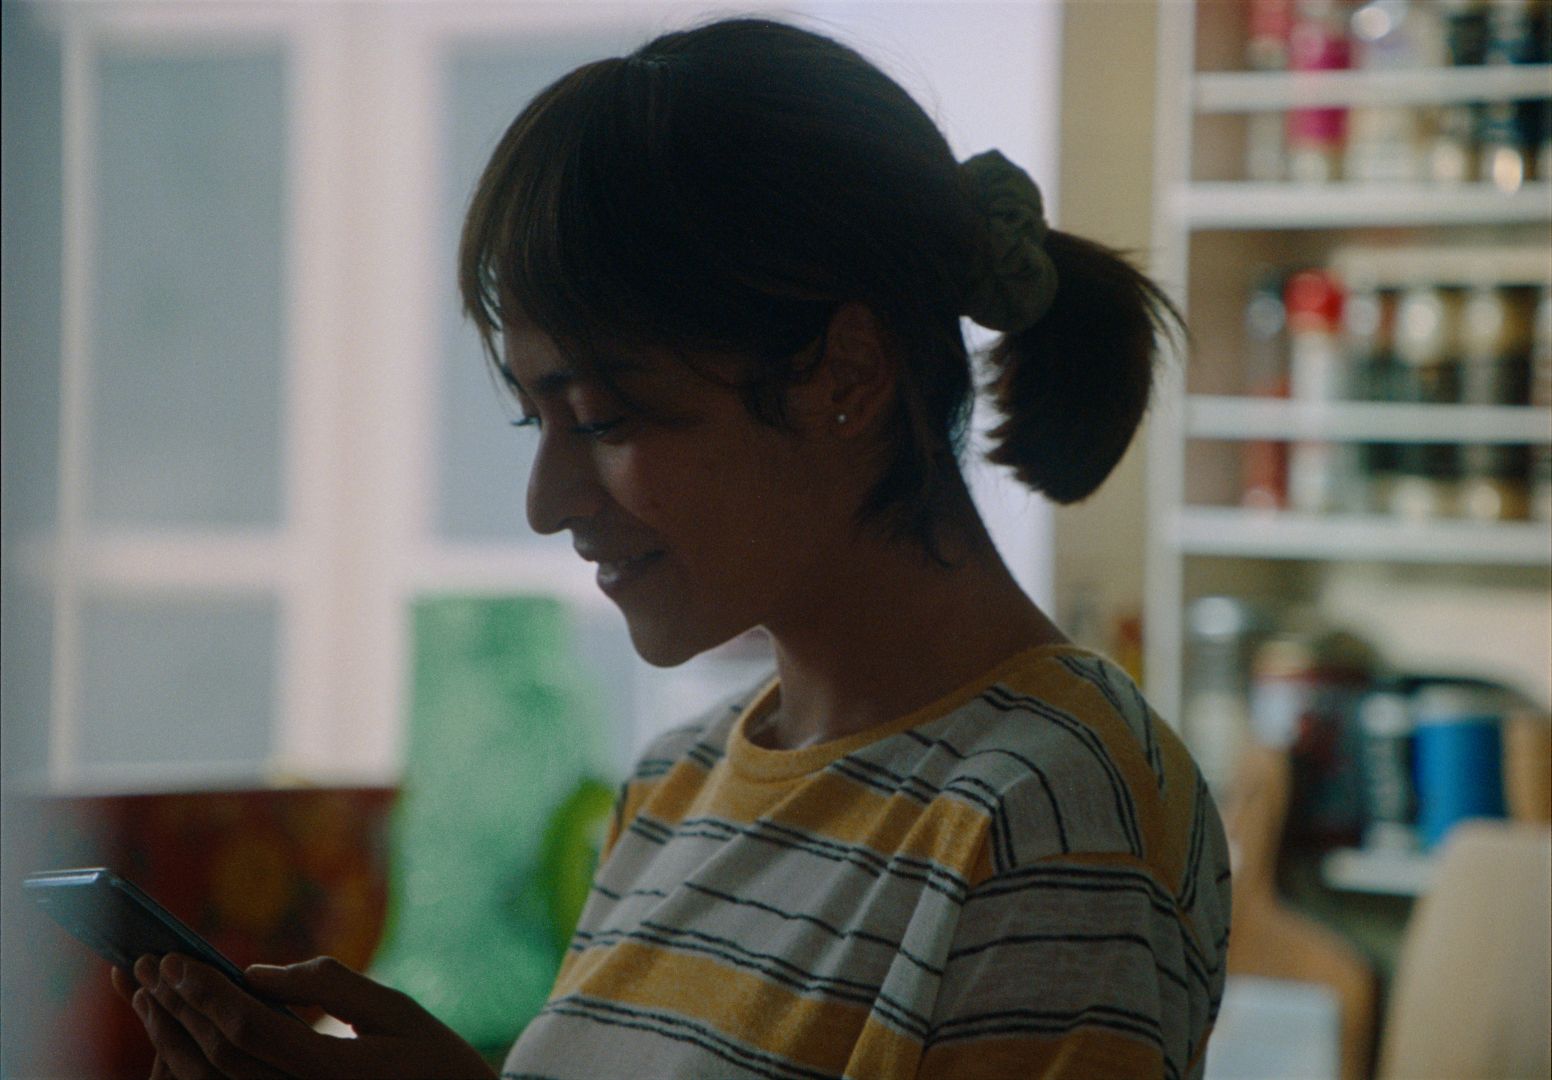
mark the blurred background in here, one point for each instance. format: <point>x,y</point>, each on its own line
<point>279,646</point>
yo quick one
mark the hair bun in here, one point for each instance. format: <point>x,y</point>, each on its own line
<point>1013,281</point>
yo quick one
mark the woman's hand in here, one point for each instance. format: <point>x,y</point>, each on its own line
<point>204,1027</point>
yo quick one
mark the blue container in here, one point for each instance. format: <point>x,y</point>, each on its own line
<point>1459,757</point>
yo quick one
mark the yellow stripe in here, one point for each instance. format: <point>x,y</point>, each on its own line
<point>672,796</point>
<point>749,1008</point>
<point>884,1053</point>
<point>1088,1054</point>
<point>949,833</point>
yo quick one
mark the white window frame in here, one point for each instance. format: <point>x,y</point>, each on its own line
<point>356,543</point>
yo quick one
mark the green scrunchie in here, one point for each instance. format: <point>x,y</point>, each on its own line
<point>1014,281</point>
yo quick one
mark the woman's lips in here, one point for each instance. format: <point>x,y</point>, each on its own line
<point>618,574</point>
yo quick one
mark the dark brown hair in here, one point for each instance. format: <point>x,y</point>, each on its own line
<point>724,189</point>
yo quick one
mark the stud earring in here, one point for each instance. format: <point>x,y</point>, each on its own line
<point>840,418</point>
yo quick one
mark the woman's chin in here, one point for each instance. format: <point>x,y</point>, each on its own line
<point>669,646</point>
<point>663,649</point>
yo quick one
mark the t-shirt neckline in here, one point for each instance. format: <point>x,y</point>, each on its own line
<point>758,763</point>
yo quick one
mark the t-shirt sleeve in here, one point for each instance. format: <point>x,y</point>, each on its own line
<point>1070,968</point>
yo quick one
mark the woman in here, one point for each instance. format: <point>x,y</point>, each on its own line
<point>723,278</point>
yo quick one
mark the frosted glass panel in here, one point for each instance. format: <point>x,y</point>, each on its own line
<point>175,680</point>
<point>26,657</point>
<point>30,207</point>
<point>483,463</point>
<point>187,296</point>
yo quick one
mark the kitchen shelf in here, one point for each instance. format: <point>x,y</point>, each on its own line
<point>1214,240</point>
<point>1235,204</point>
<point>1274,91</point>
<point>1236,418</point>
<point>1392,873</point>
<point>1397,266</point>
<point>1273,534</point>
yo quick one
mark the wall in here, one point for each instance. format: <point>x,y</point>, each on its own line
<point>1105,194</point>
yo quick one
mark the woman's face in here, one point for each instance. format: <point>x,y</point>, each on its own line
<point>702,525</point>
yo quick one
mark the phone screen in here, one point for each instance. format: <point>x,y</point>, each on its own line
<point>121,923</point>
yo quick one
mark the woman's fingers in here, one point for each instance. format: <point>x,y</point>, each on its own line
<point>346,994</point>
<point>124,984</point>
<point>178,1057</point>
<point>199,1029</point>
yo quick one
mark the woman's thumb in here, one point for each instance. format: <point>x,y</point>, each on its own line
<point>337,989</point>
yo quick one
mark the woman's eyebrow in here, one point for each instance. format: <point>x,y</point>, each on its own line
<point>556,382</point>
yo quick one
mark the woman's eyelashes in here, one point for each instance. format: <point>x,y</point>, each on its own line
<point>594,430</point>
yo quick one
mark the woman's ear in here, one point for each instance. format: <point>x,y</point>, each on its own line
<point>854,380</point>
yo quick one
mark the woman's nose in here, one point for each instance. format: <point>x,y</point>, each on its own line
<point>562,485</point>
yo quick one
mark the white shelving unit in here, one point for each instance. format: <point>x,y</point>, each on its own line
<point>1210,236</point>
<point>1271,91</point>
<point>1229,204</point>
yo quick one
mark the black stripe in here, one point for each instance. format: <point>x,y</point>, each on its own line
<point>619,811</point>
<point>884,780</point>
<point>1001,832</point>
<point>1041,939</point>
<point>1194,851</point>
<point>682,1030</point>
<point>652,768</point>
<point>773,967</point>
<point>1095,677</point>
<point>1045,783</point>
<point>935,877</point>
<point>1039,875</point>
<point>1105,879</point>
<point>1006,700</point>
<point>1096,671</point>
<point>1003,855</point>
<point>926,870</point>
<point>704,755</point>
<point>651,829</point>
<point>617,897</point>
<point>1074,939</point>
<point>1155,758</point>
<point>1043,1022</point>
<point>792,916</point>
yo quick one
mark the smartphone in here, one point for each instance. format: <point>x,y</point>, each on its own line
<point>121,924</point>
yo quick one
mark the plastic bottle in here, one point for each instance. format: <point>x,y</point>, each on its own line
<point>1508,131</point>
<point>1264,483</point>
<point>1452,153</point>
<point>1427,372</point>
<point>1541,396</point>
<point>1495,346</point>
<point>1385,142</point>
<point>1266,49</point>
<point>1367,328</point>
<point>1317,42</point>
<point>1216,723</point>
<point>1390,799</point>
<point>1322,475</point>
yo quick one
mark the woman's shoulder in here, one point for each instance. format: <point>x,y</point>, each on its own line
<point>1077,763</point>
<point>1063,704</point>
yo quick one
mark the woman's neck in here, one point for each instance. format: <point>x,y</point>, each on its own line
<point>888,631</point>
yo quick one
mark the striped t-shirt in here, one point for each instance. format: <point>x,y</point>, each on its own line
<point>1026,878</point>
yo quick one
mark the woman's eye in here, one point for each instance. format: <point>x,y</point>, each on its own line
<point>599,430</point>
